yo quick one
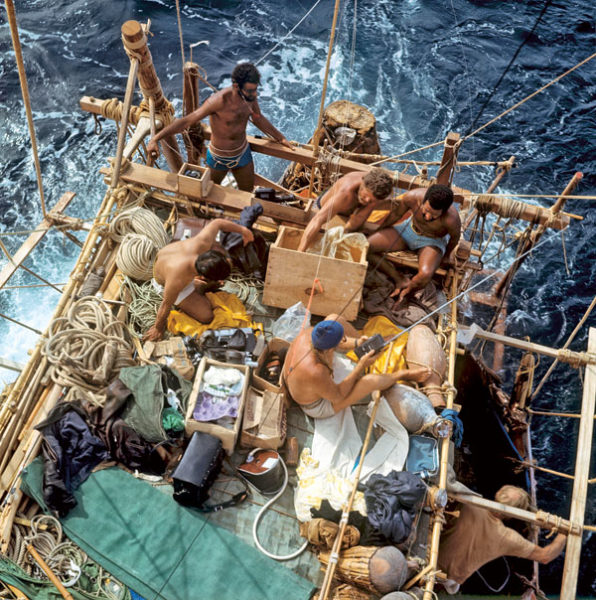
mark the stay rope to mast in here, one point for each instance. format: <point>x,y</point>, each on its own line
<point>16,43</point>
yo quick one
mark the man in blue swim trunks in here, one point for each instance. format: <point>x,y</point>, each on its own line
<point>432,229</point>
<point>229,111</point>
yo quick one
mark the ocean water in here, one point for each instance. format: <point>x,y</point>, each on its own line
<point>424,67</point>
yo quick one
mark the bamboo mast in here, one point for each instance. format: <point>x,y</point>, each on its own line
<point>135,44</point>
<point>190,99</point>
<point>14,33</point>
<point>317,135</point>
<point>343,523</point>
<point>438,515</point>
<point>582,470</point>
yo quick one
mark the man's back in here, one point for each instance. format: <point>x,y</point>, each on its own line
<point>475,538</point>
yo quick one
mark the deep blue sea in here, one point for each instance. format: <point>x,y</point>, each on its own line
<point>424,67</point>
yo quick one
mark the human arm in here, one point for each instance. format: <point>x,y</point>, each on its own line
<point>211,105</point>
<point>310,233</point>
<point>454,231</point>
<point>206,237</point>
<point>155,332</point>
<point>546,554</point>
<point>358,218</point>
<point>267,128</point>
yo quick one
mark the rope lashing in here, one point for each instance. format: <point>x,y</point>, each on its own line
<point>458,427</point>
<point>575,359</point>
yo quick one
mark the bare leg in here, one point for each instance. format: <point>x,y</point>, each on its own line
<point>386,240</point>
<point>245,177</point>
<point>429,259</point>
<point>217,175</point>
<point>198,307</point>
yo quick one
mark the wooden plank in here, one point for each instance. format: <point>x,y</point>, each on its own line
<point>290,276</point>
<point>23,252</point>
<point>582,471</point>
<point>444,174</point>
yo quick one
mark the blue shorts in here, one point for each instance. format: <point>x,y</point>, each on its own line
<point>415,241</point>
<point>228,163</point>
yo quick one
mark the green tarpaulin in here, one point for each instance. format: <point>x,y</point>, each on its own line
<point>163,550</point>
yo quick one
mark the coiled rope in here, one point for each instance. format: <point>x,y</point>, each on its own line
<point>142,309</point>
<point>142,235</point>
<point>87,348</point>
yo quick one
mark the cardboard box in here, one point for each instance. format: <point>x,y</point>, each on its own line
<point>200,184</point>
<point>274,345</point>
<point>226,435</point>
<point>290,277</point>
<point>264,424</point>
<point>170,352</point>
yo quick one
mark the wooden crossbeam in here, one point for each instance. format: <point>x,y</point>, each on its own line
<point>23,252</point>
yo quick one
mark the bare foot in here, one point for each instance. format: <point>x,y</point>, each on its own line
<point>419,374</point>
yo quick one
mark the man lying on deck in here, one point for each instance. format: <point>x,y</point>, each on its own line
<point>308,370</point>
<point>229,111</point>
<point>183,271</point>
<point>354,195</point>
<point>478,536</point>
<point>433,230</point>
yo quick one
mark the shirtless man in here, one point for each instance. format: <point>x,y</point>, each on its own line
<point>229,111</point>
<point>308,372</point>
<point>183,271</point>
<point>354,195</point>
<point>433,229</point>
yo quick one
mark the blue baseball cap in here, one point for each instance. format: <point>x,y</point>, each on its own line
<point>327,334</point>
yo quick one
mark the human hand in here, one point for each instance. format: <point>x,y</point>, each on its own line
<point>419,374</point>
<point>287,144</point>
<point>367,360</point>
<point>153,334</point>
<point>153,150</point>
<point>247,236</point>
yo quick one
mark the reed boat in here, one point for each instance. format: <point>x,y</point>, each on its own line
<point>125,536</point>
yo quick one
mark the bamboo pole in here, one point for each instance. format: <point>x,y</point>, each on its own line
<point>555,209</point>
<point>450,150</point>
<point>46,569</point>
<point>540,518</point>
<point>565,346</point>
<point>14,34</point>
<point>438,514</point>
<point>343,523</point>
<point>582,470</point>
<point>561,354</point>
<point>190,98</point>
<point>317,135</point>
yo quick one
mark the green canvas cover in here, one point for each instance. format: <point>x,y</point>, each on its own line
<point>144,414</point>
<point>162,550</point>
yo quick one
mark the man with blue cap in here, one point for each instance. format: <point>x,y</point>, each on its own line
<point>308,370</point>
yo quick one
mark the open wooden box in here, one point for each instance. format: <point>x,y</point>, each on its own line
<point>199,182</point>
<point>227,436</point>
<point>290,277</point>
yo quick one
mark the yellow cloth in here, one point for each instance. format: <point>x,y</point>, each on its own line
<point>378,215</point>
<point>387,329</point>
<point>228,311</point>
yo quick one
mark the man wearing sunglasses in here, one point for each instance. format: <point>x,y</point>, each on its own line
<point>229,111</point>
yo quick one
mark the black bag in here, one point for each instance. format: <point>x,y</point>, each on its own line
<point>197,470</point>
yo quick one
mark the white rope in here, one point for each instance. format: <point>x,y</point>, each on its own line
<point>283,39</point>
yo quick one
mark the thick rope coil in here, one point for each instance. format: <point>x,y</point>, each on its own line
<point>112,109</point>
<point>87,348</point>
<point>136,256</point>
<point>141,221</point>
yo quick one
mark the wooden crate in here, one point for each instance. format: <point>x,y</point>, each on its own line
<point>227,436</point>
<point>193,186</point>
<point>290,276</point>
